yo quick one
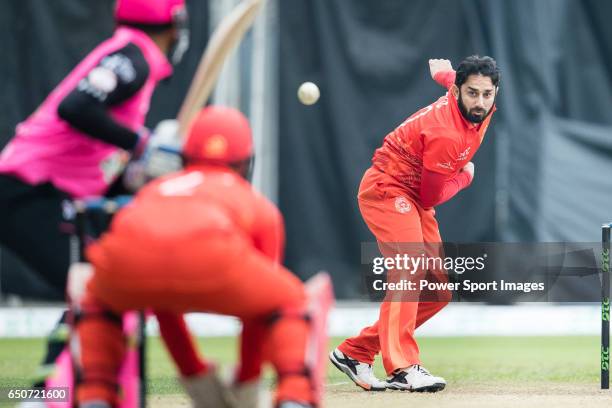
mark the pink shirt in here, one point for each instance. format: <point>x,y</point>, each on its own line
<point>47,149</point>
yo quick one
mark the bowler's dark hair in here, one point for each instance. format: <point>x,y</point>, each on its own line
<point>477,65</point>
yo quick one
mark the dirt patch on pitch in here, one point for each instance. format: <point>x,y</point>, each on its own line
<point>471,396</point>
<point>163,401</point>
<point>345,395</point>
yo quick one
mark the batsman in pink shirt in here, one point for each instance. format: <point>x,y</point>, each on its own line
<point>79,140</point>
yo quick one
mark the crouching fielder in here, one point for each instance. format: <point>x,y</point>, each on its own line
<point>202,240</point>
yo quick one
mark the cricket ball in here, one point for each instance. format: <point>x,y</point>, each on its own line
<point>308,93</point>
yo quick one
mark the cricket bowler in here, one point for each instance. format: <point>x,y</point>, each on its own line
<point>202,239</point>
<point>424,162</point>
<point>79,140</point>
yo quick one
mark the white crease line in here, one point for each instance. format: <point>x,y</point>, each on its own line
<point>338,383</point>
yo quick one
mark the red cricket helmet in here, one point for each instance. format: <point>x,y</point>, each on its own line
<point>220,135</point>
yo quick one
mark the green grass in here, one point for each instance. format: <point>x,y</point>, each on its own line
<point>513,359</point>
<point>462,360</point>
<point>18,361</point>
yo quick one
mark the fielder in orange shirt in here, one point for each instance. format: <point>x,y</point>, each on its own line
<point>203,240</point>
<point>424,162</point>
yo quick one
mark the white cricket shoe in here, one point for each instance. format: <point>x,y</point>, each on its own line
<point>360,373</point>
<point>415,378</point>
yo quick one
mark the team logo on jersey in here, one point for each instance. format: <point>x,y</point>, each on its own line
<point>402,205</point>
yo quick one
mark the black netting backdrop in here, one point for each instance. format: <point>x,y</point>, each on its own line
<point>42,41</point>
<point>544,172</point>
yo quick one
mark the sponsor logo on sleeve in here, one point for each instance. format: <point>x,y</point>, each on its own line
<point>99,83</point>
<point>120,65</point>
<point>445,165</point>
<point>103,79</point>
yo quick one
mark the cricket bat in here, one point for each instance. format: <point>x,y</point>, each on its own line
<point>222,42</point>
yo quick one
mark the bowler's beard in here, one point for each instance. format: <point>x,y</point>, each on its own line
<point>474,115</point>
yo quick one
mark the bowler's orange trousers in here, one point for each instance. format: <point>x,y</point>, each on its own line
<point>400,225</point>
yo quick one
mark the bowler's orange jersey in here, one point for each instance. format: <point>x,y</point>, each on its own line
<point>436,137</point>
